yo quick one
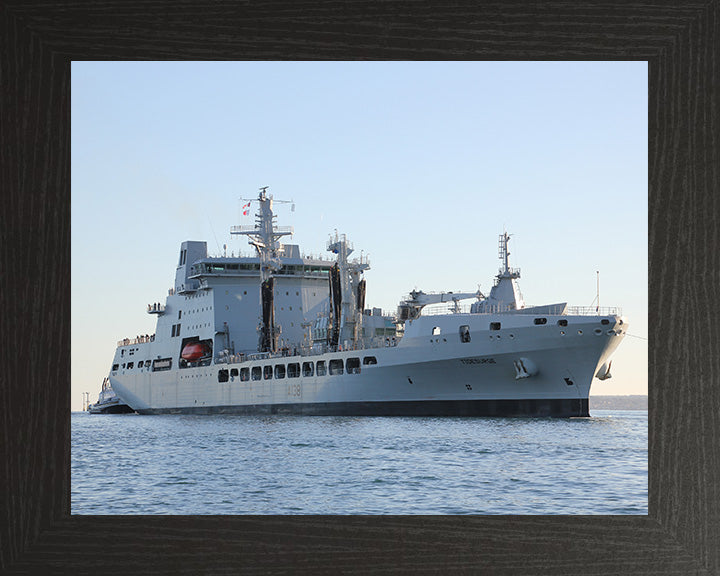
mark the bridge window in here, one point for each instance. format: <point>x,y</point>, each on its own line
<point>540,321</point>
<point>320,369</point>
<point>256,372</point>
<point>267,372</point>
<point>280,371</point>
<point>464,334</point>
<point>234,372</point>
<point>353,365</point>
<point>604,321</point>
<point>244,374</point>
<point>562,322</point>
<point>494,325</point>
<point>307,369</point>
<point>436,330</point>
<point>293,370</point>
<point>336,366</point>
<point>222,375</point>
<point>369,360</point>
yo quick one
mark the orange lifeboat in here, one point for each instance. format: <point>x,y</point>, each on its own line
<point>194,351</point>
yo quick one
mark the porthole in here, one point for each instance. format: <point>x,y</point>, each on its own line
<point>610,332</point>
<point>562,332</point>
<point>597,331</point>
<point>580,332</point>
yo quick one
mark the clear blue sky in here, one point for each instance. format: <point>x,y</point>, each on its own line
<point>421,164</point>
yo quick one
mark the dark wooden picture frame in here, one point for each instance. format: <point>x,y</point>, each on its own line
<point>681,533</point>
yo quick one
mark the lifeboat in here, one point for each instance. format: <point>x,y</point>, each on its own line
<point>194,351</point>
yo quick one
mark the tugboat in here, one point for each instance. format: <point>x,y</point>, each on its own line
<point>108,402</point>
<point>283,333</point>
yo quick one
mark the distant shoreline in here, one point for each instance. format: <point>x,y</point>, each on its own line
<point>633,402</point>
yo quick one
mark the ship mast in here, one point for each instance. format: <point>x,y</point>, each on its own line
<point>265,237</point>
<point>503,254</point>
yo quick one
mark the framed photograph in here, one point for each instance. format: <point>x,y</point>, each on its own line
<point>679,533</point>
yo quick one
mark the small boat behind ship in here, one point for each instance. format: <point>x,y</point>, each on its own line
<point>109,402</point>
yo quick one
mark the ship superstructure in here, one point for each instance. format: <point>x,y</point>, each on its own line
<point>279,332</point>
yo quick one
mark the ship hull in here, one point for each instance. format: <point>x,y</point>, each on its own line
<point>524,371</point>
<point>554,408</point>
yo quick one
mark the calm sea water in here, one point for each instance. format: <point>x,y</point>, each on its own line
<point>130,464</point>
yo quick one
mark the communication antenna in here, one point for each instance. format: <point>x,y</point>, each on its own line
<point>213,231</point>
<point>596,301</point>
<point>598,291</point>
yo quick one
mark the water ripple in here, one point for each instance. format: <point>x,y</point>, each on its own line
<point>129,464</point>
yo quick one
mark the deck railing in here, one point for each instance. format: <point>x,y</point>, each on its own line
<point>549,310</point>
<point>137,340</point>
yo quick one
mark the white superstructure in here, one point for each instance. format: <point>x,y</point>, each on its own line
<point>285,333</point>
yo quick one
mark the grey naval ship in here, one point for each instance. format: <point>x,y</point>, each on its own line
<point>280,332</point>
